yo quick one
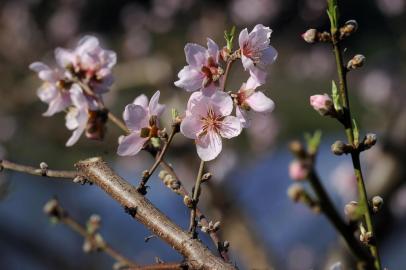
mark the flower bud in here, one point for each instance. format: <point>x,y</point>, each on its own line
<point>188,201</point>
<point>295,192</point>
<point>310,36</point>
<point>322,104</point>
<point>339,148</point>
<point>351,210</point>
<point>365,236</point>
<point>162,174</point>
<point>93,223</point>
<point>206,177</point>
<point>298,170</point>
<point>44,168</point>
<point>356,62</point>
<point>377,203</point>
<point>369,141</point>
<point>296,147</point>
<point>349,28</point>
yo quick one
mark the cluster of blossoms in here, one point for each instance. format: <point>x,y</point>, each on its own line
<point>77,85</point>
<point>84,74</point>
<point>208,116</point>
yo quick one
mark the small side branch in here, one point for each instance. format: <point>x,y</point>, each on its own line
<point>40,171</point>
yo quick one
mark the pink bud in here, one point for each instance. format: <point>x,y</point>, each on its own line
<point>297,170</point>
<point>310,36</point>
<point>322,104</point>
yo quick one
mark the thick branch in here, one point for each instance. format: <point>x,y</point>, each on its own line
<point>197,255</point>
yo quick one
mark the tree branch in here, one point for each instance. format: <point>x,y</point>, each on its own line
<point>44,171</point>
<point>196,254</point>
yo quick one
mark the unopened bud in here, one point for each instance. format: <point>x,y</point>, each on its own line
<point>377,203</point>
<point>162,174</point>
<point>349,28</point>
<point>206,177</point>
<point>225,53</point>
<point>188,201</point>
<point>44,168</point>
<point>296,147</point>
<point>351,210</point>
<point>226,244</point>
<point>51,208</point>
<point>356,62</point>
<point>322,104</point>
<point>369,141</point>
<point>295,192</point>
<point>93,224</point>
<point>310,36</point>
<point>339,148</point>
<point>298,170</point>
<point>365,236</point>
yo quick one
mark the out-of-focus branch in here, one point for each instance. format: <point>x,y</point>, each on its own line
<point>96,242</point>
<point>196,254</point>
<point>41,171</point>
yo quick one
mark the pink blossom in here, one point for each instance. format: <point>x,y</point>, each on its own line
<point>53,91</point>
<point>141,119</point>
<point>208,120</point>
<point>322,104</point>
<point>78,114</point>
<point>89,62</point>
<point>203,70</point>
<point>256,53</point>
<point>248,100</point>
<point>297,170</point>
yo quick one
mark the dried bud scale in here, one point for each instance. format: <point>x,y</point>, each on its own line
<point>339,148</point>
<point>356,62</point>
<point>349,28</point>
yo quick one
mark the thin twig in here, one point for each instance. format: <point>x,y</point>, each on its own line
<point>226,74</point>
<point>199,214</point>
<point>161,266</point>
<point>342,76</point>
<point>8,165</point>
<point>95,239</point>
<point>142,186</point>
<point>195,200</point>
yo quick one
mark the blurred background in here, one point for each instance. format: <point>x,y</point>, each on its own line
<point>248,191</point>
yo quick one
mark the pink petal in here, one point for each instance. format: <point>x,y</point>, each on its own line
<point>258,74</point>
<point>210,90</point>
<point>260,103</point>
<point>87,44</point>
<point>269,56</point>
<point>213,49</point>
<point>141,100</point>
<point>195,55</point>
<point>222,103</point>
<point>38,66</point>
<point>75,136</point>
<point>58,104</point>
<point>209,146</point>
<point>230,127</point>
<point>47,92</point>
<point>190,79</point>
<point>190,127</point>
<point>247,63</point>
<point>78,98</point>
<point>64,57</point>
<point>243,38</point>
<point>130,145</point>
<point>243,116</point>
<point>154,107</point>
<point>135,117</point>
<point>76,119</point>
<point>251,84</point>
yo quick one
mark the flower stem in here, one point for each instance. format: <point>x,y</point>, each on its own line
<point>195,199</point>
<point>142,186</point>
<point>120,124</point>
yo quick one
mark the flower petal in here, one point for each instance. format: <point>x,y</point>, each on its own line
<point>243,116</point>
<point>195,55</point>
<point>47,92</point>
<point>243,38</point>
<point>141,100</point>
<point>269,56</point>
<point>130,145</point>
<point>154,107</point>
<point>222,103</point>
<point>58,104</point>
<point>230,127</point>
<point>212,49</point>
<point>135,117</point>
<point>258,74</point>
<point>209,146</point>
<point>260,103</point>
<point>64,57</point>
<point>38,66</point>
<point>190,79</point>
<point>190,127</point>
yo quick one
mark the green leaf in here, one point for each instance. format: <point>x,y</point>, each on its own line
<point>336,97</point>
<point>313,141</point>
<point>229,37</point>
<point>174,114</point>
<point>355,132</point>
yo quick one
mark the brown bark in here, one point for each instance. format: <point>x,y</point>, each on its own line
<point>196,254</point>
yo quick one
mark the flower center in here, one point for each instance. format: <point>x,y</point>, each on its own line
<point>251,53</point>
<point>212,72</point>
<point>211,122</point>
